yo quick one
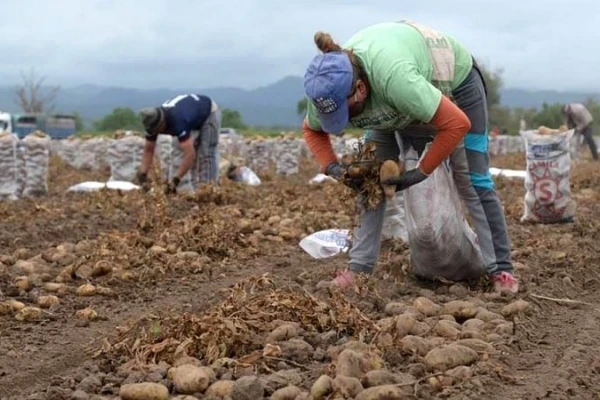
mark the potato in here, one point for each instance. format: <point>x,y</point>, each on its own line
<point>516,307</point>
<point>5,308</point>
<point>271,350</point>
<point>473,323</point>
<point>25,267</point>
<point>28,314</point>
<point>286,393</point>
<point>346,386</point>
<point>505,329</point>
<point>220,389</point>
<point>349,364</point>
<point>420,329</point>
<point>447,329</point>
<point>296,349</point>
<point>378,377</point>
<point>461,372</point>
<point>471,334</point>
<point>16,305</point>
<point>144,391</point>
<point>426,306</point>
<point>282,333</point>
<point>405,323</point>
<point>394,308</point>
<point>189,379</point>
<point>415,345</point>
<point>460,309</point>
<point>87,289</point>
<point>22,283</point>
<point>384,392</point>
<point>322,387</point>
<point>86,314</point>
<point>478,345</point>
<point>486,315</point>
<point>54,287</point>
<point>389,169</point>
<point>450,356</point>
<point>47,301</point>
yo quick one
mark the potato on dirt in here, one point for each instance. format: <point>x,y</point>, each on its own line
<point>86,314</point>
<point>286,393</point>
<point>47,301</point>
<point>404,325</point>
<point>87,289</point>
<point>460,309</point>
<point>450,356</point>
<point>350,363</point>
<point>220,389</point>
<point>144,391</point>
<point>426,306</point>
<point>189,379</point>
<point>516,307</point>
<point>347,386</point>
<point>385,392</point>
<point>28,314</point>
<point>415,345</point>
<point>5,308</point>
<point>447,329</point>
<point>478,345</point>
<point>282,333</point>
<point>322,387</point>
<point>54,287</point>
<point>394,308</point>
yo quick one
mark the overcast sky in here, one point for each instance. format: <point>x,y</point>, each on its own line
<point>541,44</point>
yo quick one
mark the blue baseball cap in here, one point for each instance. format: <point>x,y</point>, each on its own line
<point>328,83</point>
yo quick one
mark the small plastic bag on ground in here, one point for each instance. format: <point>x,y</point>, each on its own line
<point>441,242</point>
<point>326,243</point>
<point>548,179</point>
<point>9,167</point>
<point>37,154</point>
<point>394,224</point>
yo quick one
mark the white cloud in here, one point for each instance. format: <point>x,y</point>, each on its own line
<point>247,43</point>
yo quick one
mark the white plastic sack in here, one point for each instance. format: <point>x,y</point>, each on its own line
<point>37,153</point>
<point>125,157</point>
<point>248,176</point>
<point>92,186</point>
<point>319,178</point>
<point>394,224</point>
<point>548,179</point>
<point>9,167</point>
<point>326,243</point>
<point>441,242</point>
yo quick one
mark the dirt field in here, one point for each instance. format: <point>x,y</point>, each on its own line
<point>144,283</point>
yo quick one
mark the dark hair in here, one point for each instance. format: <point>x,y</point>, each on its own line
<point>325,43</point>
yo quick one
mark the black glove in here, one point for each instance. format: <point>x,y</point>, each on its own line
<point>142,179</point>
<point>406,179</point>
<point>171,187</point>
<point>336,171</point>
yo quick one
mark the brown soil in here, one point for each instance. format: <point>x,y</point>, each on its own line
<point>232,256</point>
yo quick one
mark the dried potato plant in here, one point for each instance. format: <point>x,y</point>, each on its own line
<point>238,326</point>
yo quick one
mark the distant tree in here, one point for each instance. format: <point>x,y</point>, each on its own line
<point>302,106</point>
<point>549,116</point>
<point>119,118</point>
<point>232,119</point>
<point>79,125</point>
<point>493,81</point>
<point>32,97</point>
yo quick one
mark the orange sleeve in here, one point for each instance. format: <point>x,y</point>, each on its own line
<point>319,145</point>
<point>452,125</point>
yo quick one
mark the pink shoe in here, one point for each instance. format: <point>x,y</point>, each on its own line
<point>505,282</point>
<point>344,279</point>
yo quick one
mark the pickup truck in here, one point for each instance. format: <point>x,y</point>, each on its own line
<point>57,126</point>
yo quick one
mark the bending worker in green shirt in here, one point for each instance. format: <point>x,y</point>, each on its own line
<point>401,76</point>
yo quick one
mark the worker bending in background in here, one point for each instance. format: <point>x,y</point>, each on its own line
<point>195,120</point>
<point>577,116</point>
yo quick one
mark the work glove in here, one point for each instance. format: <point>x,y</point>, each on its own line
<point>171,187</point>
<point>336,171</point>
<point>406,179</point>
<point>142,179</point>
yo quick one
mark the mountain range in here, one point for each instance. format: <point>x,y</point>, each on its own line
<point>268,106</point>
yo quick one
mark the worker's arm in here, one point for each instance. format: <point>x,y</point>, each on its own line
<point>189,155</point>
<point>148,155</point>
<point>319,144</point>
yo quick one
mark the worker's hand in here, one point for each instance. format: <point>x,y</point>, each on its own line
<point>171,187</point>
<point>142,179</point>
<point>406,179</point>
<point>337,171</point>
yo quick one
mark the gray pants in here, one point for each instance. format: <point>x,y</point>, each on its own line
<point>470,169</point>
<point>589,140</point>
<point>206,144</point>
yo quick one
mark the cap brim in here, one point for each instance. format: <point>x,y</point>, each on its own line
<point>335,122</point>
